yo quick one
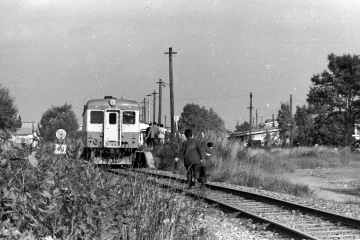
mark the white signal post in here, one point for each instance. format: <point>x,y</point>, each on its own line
<point>61,134</point>
<point>60,148</point>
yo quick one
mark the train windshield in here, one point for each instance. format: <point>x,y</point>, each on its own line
<point>129,117</point>
<point>96,117</point>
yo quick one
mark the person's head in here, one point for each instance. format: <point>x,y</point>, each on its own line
<point>150,124</point>
<point>161,125</point>
<point>188,133</point>
<point>155,124</point>
<point>210,144</point>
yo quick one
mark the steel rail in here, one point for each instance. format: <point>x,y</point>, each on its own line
<point>323,230</point>
<point>310,210</point>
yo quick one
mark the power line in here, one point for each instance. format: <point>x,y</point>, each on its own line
<point>211,98</point>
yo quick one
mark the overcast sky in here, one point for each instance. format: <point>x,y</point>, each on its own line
<point>57,51</point>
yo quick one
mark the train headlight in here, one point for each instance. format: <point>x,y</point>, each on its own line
<point>95,141</point>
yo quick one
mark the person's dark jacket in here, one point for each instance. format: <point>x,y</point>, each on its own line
<point>147,131</point>
<point>191,152</point>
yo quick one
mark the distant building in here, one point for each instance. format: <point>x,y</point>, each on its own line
<point>270,123</point>
<point>356,134</point>
<point>26,134</point>
<point>268,135</point>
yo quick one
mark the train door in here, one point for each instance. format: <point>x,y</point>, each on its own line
<point>112,137</point>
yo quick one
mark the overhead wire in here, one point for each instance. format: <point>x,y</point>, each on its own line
<point>208,98</point>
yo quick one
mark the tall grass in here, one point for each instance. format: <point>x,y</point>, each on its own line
<point>260,168</point>
<point>67,198</point>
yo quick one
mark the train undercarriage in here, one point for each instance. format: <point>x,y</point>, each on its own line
<point>111,156</point>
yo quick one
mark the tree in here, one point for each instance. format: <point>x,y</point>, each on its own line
<point>286,123</point>
<point>242,127</point>
<point>329,129</point>
<point>58,118</point>
<point>199,119</point>
<point>305,124</point>
<point>336,92</point>
<point>8,112</point>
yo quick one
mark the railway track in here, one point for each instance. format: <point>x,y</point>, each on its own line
<point>296,220</point>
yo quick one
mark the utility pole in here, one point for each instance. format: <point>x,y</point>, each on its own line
<point>154,105</point>
<point>250,120</point>
<point>161,84</point>
<point>291,126</point>
<point>171,93</point>
<point>256,120</point>
<point>165,122</point>
<point>144,111</point>
<point>140,113</point>
<point>149,95</point>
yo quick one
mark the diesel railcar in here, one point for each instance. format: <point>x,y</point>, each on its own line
<point>111,130</point>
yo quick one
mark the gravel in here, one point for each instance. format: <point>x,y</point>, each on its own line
<point>219,225</point>
<point>351,210</point>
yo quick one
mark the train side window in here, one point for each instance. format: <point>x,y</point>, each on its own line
<point>112,118</point>
<point>96,117</point>
<point>129,117</point>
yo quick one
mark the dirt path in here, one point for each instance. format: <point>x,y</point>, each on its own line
<point>331,183</point>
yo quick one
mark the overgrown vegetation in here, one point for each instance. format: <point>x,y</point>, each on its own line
<point>67,198</point>
<point>259,167</point>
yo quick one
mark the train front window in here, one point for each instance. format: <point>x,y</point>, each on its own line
<point>112,118</point>
<point>129,117</point>
<point>96,117</point>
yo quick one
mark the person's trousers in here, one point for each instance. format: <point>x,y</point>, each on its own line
<point>194,173</point>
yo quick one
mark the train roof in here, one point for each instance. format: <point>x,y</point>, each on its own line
<point>102,104</point>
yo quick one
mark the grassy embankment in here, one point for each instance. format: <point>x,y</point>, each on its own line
<point>260,168</point>
<point>67,198</point>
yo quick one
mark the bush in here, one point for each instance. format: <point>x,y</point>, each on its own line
<point>68,198</point>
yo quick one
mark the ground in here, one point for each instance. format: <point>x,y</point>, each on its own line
<point>336,183</point>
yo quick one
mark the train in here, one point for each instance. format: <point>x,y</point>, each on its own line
<point>111,130</point>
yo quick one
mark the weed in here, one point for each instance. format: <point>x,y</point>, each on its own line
<point>68,198</point>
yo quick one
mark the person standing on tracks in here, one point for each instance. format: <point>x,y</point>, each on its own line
<point>152,134</point>
<point>146,134</point>
<point>161,135</point>
<point>209,155</point>
<point>193,160</point>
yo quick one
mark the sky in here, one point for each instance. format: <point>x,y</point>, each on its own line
<point>54,52</point>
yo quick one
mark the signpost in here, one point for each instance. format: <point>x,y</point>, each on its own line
<point>60,148</point>
<point>60,134</point>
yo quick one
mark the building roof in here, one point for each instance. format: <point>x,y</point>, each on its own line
<point>269,121</point>
<point>27,128</point>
